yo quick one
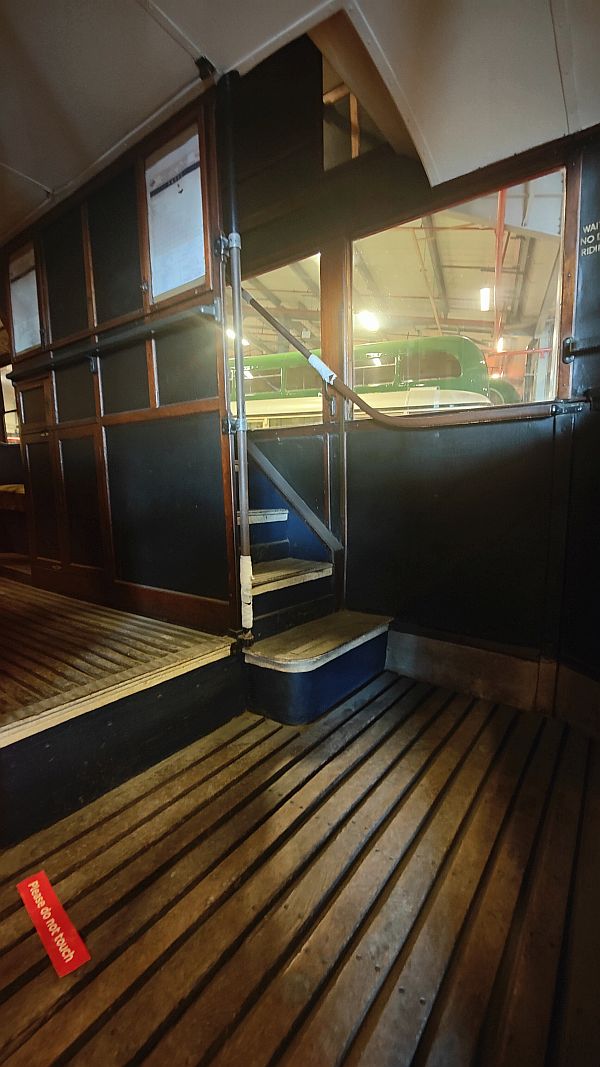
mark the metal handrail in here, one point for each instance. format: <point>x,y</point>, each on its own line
<point>449,417</point>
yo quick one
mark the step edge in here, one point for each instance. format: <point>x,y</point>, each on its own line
<point>273,515</point>
<point>287,581</point>
<point>305,666</point>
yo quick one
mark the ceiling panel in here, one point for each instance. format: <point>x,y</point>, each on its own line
<point>77,76</point>
<point>475,80</point>
<point>238,35</point>
<point>18,197</point>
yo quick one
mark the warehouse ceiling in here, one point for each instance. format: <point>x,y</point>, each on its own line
<point>473,81</point>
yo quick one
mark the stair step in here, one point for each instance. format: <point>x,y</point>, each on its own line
<point>261,551</point>
<point>313,644</point>
<point>258,515</point>
<point>282,573</point>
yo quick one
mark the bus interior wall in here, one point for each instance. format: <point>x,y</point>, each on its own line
<point>456,532</point>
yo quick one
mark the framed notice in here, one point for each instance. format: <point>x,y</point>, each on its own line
<point>175,216</point>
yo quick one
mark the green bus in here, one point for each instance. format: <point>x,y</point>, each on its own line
<point>422,373</point>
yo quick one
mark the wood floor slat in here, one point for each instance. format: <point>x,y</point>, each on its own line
<point>406,1000</point>
<point>182,885</point>
<point>521,1021</point>
<point>413,879</point>
<point>577,1037</point>
<point>61,657</point>
<point>126,805</point>
<point>269,945</point>
<point>199,955</point>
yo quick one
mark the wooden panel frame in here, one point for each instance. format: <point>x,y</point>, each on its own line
<point>101,583</point>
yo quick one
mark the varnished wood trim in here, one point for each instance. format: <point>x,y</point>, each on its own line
<point>88,267</point>
<point>339,42</point>
<point>195,611</point>
<point>152,372</point>
<point>143,231</point>
<point>570,264</point>
<point>467,417</point>
<point>165,411</point>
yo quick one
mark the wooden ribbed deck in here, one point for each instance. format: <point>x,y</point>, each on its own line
<point>61,657</point>
<point>412,879</point>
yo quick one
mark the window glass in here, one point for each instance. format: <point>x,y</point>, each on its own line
<point>175,216</point>
<point>24,301</point>
<point>461,308</point>
<point>281,388</point>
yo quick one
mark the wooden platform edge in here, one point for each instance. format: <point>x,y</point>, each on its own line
<point>18,731</point>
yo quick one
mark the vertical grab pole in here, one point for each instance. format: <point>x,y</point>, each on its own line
<point>225,88</point>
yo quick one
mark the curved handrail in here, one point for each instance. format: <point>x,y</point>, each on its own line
<point>449,417</point>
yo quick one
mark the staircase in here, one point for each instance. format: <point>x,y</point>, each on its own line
<point>309,652</point>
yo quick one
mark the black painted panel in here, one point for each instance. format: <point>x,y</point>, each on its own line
<point>186,363</point>
<point>33,405</point>
<point>300,461</point>
<point>166,495</point>
<point>124,377</point>
<point>65,274</point>
<point>278,128</point>
<point>75,392</point>
<point>81,494</point>
<point>449,529</point>
<point>581,620</point>
<point>112,214</point>
<point>45,777</point>
<point>42,489</point>
<point>11,464</point>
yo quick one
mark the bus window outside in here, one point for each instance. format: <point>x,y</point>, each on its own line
<point>465,302</point>
<point>281,388</point>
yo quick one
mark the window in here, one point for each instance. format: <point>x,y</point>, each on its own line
<point>24,301</point>
<point>465,302</point>
<point>175,216</point>
<point>281,388</point>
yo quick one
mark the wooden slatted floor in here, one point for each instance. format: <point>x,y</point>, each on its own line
<point>413,879</point>
<point>61,657</point>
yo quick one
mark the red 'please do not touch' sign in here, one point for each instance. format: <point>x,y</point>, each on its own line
<point>59,937</point>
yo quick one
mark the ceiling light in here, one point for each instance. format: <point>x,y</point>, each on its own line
<point>485,296</point>
<point>230,333</point>
<point>500,344</point>
<point>368,320</point>
<point>248,373</point>
<point>245,342</point>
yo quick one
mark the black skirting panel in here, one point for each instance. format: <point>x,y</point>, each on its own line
<point>65,275</point>
<point>449,530</point>
<point>167,505</point>
<point>114,237</point>
<point>49,775</point>
<point>124,379</point>
<point>41,487</point>
<point>82,500</point>
<point>186,363</point>
<point>75,392</point>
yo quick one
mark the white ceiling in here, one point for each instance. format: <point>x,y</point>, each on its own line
<point>474,80</point>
